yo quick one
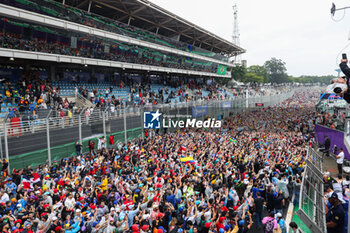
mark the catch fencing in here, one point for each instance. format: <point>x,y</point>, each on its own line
<point>311,209</point>
<point>51,137</point>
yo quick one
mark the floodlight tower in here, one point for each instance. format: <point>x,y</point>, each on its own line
<point>235,35</point>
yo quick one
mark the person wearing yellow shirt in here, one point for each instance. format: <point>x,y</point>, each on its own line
<point>104,183</point>
<point>70,117</point>
<point>8,94</point>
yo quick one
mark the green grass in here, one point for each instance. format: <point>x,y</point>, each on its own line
<point>300,223</point>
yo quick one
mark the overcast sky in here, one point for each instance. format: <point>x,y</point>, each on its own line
<point>300,32</point>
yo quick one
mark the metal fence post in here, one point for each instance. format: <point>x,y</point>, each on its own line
<point>48,140</point>
<point>31,125</point>
<point>187,106</point>
<point>104,124</point>
<point>105,116</point>
<point>247,101</point>
<point>48,137</point>
<point>125,133</point>
<point>6,143</point>
<point>79,127</point>
<point>141,117</point>
<point>1,151</point>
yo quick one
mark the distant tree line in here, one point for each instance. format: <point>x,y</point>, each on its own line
<point>273,71</point>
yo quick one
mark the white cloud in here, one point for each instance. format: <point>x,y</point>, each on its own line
<point>299,32</point>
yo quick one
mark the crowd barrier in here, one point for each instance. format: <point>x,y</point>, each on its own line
<point>26,143</point>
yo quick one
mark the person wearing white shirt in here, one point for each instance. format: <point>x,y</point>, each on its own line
<point>70,202</point>
<point>4,197</point>
<point>340,160</point>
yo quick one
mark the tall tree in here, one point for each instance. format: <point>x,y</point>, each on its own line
<point>259,71</point>
<point>326,79</point>
<point>276,68</point>
<point>238,73</point>
<point>253,77</point>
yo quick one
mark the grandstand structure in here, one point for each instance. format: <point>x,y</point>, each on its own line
<point>121,36</point>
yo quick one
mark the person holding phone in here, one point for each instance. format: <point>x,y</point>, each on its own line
<point>341,85</point>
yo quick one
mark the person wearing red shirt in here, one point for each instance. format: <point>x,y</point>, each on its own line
<point>220,224</point>
<point>128,202</point>
<point>223,207</point>
<point>111,140</point>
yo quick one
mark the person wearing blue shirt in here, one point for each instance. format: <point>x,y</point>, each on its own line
<point>171,197</point>
<point>11,113</point>
<point>31,107</point>
<point>255,190</point>
<point>132,214</point>
<point>11,187</point>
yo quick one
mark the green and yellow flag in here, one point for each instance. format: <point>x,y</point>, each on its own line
<point>221,69</point>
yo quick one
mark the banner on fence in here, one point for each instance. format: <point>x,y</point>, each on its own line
<point>226,105</point>
<point>199,111</point>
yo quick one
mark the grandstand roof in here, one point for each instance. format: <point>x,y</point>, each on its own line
<point>149,16</point>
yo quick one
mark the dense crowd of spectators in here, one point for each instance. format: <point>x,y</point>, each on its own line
<point>30,93</point>
<point>191,180</point>
<point>93,47</point>
<point>335,120</point>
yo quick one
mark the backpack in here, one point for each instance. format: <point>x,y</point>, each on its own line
<point>282,225</point>
<point>269,226</point>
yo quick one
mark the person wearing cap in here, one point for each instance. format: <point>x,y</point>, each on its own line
<point>78,216</point>
<point>122,225</point>
<point>70,202</point>
<point>335,217</point>
<point>281,222</point>
<point>114,213</point>
<point>55,223</point>
<point>132,213</point>
<point>241,222</point>
<point>144,228</point>
<point>47,198</point>
<point>89,219</point>
<point>28,227</point>
<point>206,202</point>
<point>11,187</point>
<point>102,210</point>
<point>110,226</point>
<point>31,219</point>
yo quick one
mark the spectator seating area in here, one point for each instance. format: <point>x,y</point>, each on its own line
<point>68,88</point>
<point>157,87</point>
<point>15,35</point>
<point>55,9</point>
